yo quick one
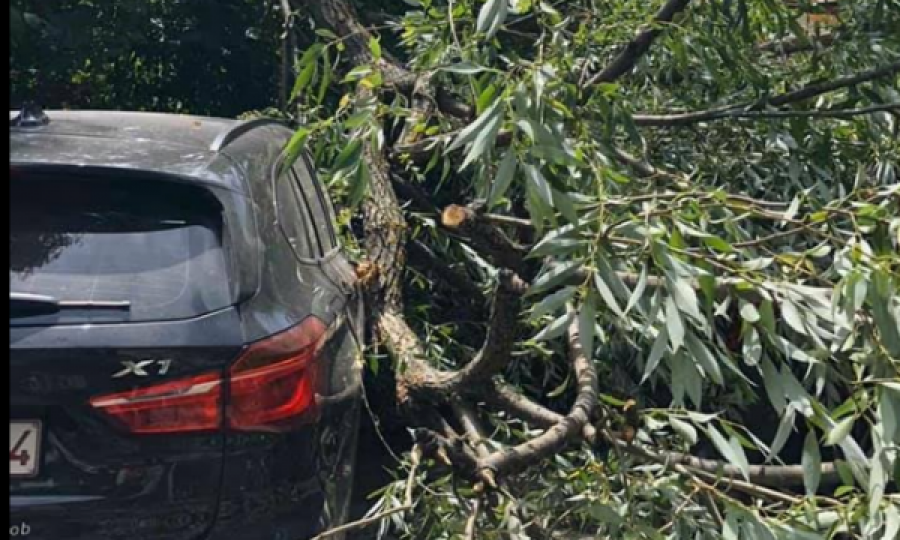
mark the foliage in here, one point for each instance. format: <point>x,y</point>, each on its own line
<point>723,224</point>
<point>734,273</point>
<point>202,56</point>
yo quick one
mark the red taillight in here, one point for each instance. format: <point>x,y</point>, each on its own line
<point>272,383</point>
<point>192,404</point>
<point>275,379</point>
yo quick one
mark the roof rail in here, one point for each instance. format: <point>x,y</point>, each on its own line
<point>229,135</point>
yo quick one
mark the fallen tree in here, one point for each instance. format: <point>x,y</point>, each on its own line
<point>599,319</point>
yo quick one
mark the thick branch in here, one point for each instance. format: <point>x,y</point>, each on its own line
<point>638,47</point>
<point>555,439</point>
<point>436,386</point>
<point>501,335</point>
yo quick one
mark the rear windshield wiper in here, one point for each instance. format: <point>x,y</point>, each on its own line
<point>31,305</point>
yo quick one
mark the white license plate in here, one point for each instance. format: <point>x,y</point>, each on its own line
<point>24,448</point>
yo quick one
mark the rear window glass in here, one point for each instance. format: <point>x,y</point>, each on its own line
<point>153,243</point>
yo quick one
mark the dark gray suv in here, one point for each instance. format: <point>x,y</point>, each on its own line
<point>184,332</point>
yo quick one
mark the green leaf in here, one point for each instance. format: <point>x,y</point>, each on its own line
<point>812,464</point>
<point>774,388</point>
<point>470,132</point>
<point>793,317</point>
<point>687,431</point>
<point>587,322</point>
<point>490,17</point>
<point>606,294</point>
<point>839,432</point>
<point>794,352</point>
<point>505,174</point>
<point>552,302</point>
<point>685,295</point>
<point>748,312</point>
<point>295,146</point>
<point>639,289</point>
<point>566,207</point>
<point>375,47</point>
<point>554,276</point>
<point>538,185</point>
<point>303,79</point>
<point>464,68</point>
<point>674,324</point>
<point>785,428</point>
<point>554,329</point>
<point>752,347</point>
<point>705,358</point>
<point>889,413</point>
<point>731,450</point>
<point>656,353</point>
<point>360,186</point>
<point>883,297</point>
<point>484,139</point>
<point>349,156</point>
<point>326,33</point>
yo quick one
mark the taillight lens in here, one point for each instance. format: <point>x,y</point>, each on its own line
<point>274,381</point>
<point>272,386</point>
<point>193,404</point>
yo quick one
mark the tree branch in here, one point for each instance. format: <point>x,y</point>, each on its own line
<point>501,335</point>
<point>437,386</point>
<point>638,47</point>
<point>371,520</point>
<point>522,456</point>
<point>765,475</point>
<point>668,120</point>
<point>802,94</point>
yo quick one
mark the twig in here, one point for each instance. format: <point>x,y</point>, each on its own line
<point>802,94</point>
<point>365,522</point>
<point>472,521</point>
<point>680,119</point>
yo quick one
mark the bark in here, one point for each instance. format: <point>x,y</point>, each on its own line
<point>562,433</point>
<point>341,17</point>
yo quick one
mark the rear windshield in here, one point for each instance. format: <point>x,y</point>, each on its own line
<point>153,243</point>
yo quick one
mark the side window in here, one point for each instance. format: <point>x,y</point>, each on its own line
<point>293,217</point>
<point>317,201</point>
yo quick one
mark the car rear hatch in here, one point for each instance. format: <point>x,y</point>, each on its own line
<point>122,324</point>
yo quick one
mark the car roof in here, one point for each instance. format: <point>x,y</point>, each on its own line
<point>179,144</point>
